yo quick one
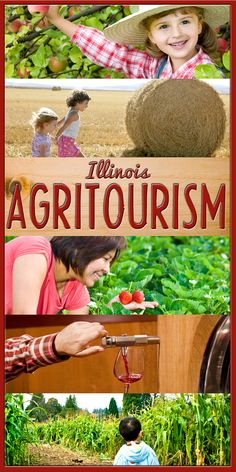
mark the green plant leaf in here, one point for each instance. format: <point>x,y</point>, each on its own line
<point>207,71</point>
<point>226,60</point>
<point>39,59</point>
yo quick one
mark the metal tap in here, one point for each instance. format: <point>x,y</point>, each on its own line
<point>125,340</point>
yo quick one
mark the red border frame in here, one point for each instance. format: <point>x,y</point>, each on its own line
<point>232,3</point>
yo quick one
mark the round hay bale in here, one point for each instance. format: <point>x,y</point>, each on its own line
<point>134,114</point>
<point>176,118</point>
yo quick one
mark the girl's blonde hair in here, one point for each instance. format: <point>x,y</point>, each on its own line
<point>207,39</point>
<point>43,115</point>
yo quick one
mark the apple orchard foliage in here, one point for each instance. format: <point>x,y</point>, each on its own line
<point>50,53</point>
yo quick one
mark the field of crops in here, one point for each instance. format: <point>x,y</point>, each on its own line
<point>182,430</point>
<point>102,134</point>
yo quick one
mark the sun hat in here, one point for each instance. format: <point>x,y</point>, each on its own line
<point>130,30</point>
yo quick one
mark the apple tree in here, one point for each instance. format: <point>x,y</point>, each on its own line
<point>36,49</point>
<point>222,56</point>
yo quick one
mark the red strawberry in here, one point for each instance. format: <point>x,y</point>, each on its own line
<point>125,297</point>
<point>138,296</point>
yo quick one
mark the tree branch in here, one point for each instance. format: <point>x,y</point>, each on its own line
<point>35,34</point>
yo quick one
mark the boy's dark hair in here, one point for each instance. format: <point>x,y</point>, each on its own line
<point>78,251</point>
<point>78,96</point>
<point>130,428</point>
<point>207,39</point>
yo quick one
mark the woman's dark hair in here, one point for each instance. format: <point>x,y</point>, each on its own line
<point>78,251</point>
<point>130,428</point>
<point>207,39</point>
<point>78,96</point>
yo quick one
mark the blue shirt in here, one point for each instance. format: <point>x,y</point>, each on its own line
<point>136,454</point>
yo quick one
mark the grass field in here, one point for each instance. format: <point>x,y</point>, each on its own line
<point>102,133</point>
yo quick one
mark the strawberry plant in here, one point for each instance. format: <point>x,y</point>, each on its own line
<point>185,275</point>
<point>36,49</point>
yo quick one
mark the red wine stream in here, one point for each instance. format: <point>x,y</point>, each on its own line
<point>128,378</point>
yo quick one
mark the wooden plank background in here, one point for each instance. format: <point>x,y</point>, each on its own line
<point>184,171</point>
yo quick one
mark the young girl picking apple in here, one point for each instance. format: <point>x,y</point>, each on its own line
<point>176,39</point>
<point>67,133</point>
<point>44,123</point>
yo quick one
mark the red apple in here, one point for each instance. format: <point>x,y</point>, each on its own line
<point>25,23</point>
<point>15,25</point>
<point>222,45</point>
<point>138,296</point>
<point>73,10</point>
<point>125,297</point>
<point>38,9</point>
<point>23,73</point>
<point>57,65</point>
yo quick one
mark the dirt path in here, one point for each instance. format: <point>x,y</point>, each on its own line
<point>45,454</point>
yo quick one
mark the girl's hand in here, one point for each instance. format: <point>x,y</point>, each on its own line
<point>134,305</point>
<point>62,24</point>
<point>53,13</point>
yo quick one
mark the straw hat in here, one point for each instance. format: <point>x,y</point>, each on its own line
<point>130,29</point>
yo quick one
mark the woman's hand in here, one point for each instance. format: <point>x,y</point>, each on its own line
<point>134,305</point>
<point>74,339</point>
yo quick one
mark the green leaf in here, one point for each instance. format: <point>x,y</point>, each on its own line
<point>39,59</point>
<point>34,72</point>
<point>226,60</point>
<point>207,71</point>
<point>75,55</point>
<point>93,22</point>
<point>9,69</point>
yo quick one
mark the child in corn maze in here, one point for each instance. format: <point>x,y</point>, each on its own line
<point>67,133</point>
<point>176,40</point>
<point>135,451</point>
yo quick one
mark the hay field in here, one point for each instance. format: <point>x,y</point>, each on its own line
<point>102,132</point>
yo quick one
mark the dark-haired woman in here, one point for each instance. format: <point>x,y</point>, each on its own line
<point>44,277</point>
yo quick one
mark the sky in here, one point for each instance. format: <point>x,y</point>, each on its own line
<point>88,401</point>
<point>221,86</point>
